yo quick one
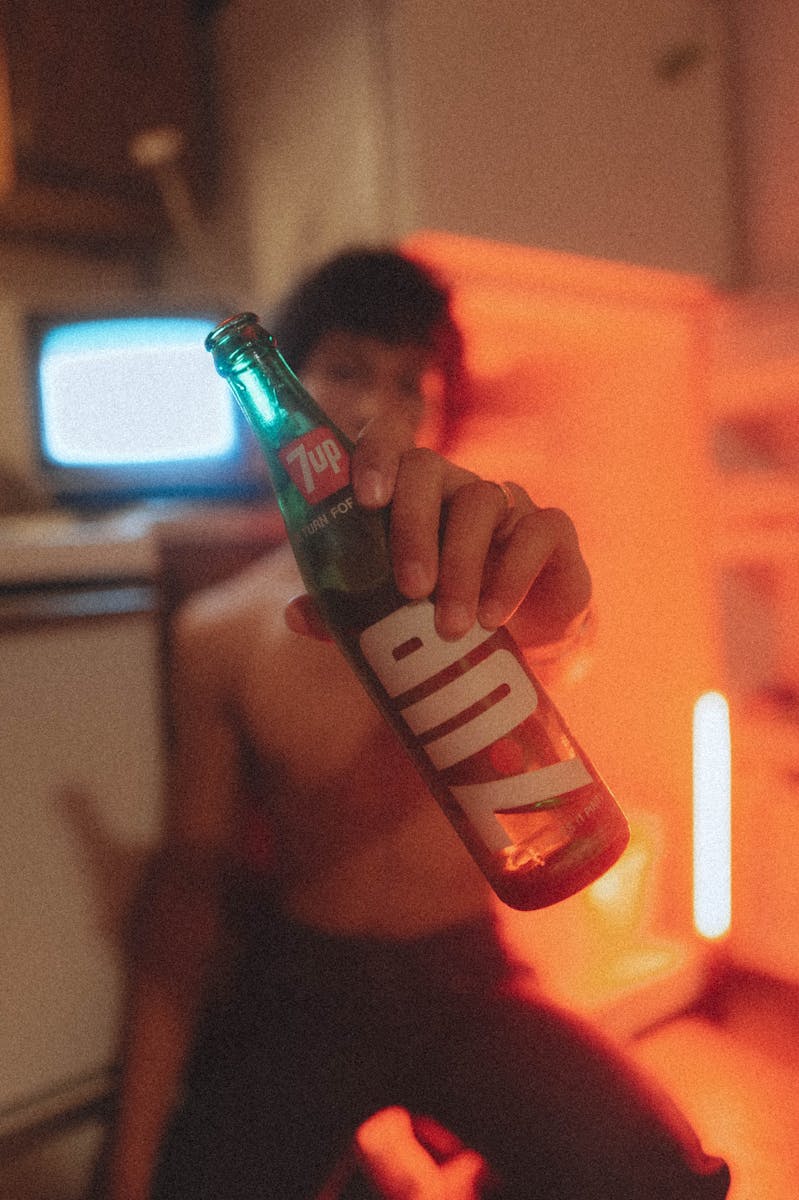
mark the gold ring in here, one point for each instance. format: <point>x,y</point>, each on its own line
<point>510,499</point>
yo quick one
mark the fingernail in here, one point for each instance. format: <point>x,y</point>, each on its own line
<point>414,581</point>
<point>372,488</point>
<point>454,619</point>
<point>489,615</point>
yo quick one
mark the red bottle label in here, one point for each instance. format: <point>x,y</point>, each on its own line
<point>472,712</point>
<point>316,464</point>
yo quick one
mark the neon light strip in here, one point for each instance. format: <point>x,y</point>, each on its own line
<point>712,816</point>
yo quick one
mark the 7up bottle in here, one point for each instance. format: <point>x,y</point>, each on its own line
<point>494,752</point>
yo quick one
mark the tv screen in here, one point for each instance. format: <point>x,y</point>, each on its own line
<point>129,407</point>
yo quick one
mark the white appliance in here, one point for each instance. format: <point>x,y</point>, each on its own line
<point>592,390</point>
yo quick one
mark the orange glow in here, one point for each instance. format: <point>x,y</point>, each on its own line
<point>712,816</point>
<point>592,384</point>
<point>740,1099</point>
<point>6,127</point>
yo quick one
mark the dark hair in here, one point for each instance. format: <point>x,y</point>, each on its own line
<point>383,294</point>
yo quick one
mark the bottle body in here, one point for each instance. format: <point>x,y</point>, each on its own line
<point>494,752</point>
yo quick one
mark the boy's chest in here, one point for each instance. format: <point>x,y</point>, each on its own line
<point>308,714</point>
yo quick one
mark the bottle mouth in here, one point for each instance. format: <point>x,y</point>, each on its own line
<point>237,333</point>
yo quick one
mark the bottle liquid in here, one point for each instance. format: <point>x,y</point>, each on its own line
<point>494,752</point>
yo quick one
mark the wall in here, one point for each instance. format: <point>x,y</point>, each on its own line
<point>596,129</point>
<point>765,40</point>
<point>310,151</point>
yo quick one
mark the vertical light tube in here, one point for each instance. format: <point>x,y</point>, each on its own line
<point>712,816</point>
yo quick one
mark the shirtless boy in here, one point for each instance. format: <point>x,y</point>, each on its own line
<point>365,974</point>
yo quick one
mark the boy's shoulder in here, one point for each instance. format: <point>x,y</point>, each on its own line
<point>240,613</point>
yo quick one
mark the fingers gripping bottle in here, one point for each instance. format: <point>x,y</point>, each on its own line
<point>495,754</point>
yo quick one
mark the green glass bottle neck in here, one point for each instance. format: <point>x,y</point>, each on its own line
<point>341,548</point>
<point>277,405</point>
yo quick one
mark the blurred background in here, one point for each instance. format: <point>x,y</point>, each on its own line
<point>611,191</point>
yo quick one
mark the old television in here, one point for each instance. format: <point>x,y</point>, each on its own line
<point>128,408</point>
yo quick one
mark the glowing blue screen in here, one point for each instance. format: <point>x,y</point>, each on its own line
<point>135,390</point>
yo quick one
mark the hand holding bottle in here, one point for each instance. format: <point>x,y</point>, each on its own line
<point>501,559</point>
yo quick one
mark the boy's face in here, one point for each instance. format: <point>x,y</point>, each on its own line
<point>354,378</point>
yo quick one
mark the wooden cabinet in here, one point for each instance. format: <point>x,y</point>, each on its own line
<point>83,80</point>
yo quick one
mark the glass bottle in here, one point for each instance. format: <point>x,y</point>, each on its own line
<point>494,752</point>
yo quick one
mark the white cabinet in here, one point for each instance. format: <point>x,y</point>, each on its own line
<point>591,387</point>
<point>82,80</point>
<point>80,777</point>
<point>755,431</point>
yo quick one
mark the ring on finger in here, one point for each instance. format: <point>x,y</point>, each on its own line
<point>508,496</point>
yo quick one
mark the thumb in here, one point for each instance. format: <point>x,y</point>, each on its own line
<point>303,617</point>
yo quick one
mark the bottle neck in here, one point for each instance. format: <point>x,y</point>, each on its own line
<point>279,408</point>
<point>274,400</point>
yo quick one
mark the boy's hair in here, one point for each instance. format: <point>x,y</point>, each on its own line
<point>383,294</point>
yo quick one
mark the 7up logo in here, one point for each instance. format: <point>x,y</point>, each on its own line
<point>480,704</point>
<point>317,464</point>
